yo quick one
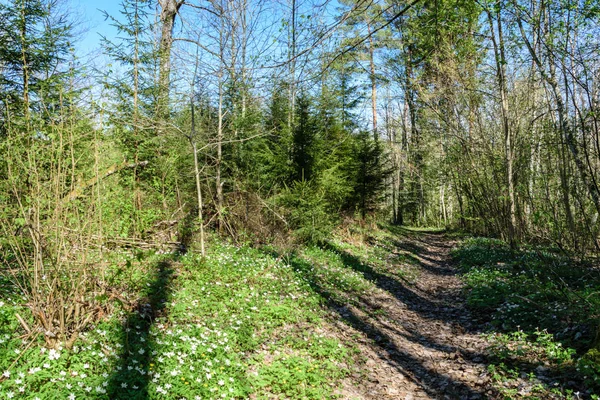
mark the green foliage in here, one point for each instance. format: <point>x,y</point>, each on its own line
<point>532,364</point>
<point>322,168</point>
<point>200,335</point>
<point>479,251</point>
<point>131,116</point>
<point>543,301</point>
<point>539,347</point>
<point>530,288</point>
<point>298,377</point>
<point>489,288</point>
<point>340,98</point>
<point>308,211</point>
<point>589,366</point>
<point>334,274</point>
<point>37,43</point>
<point>304,146</point>
<point>370,174</point>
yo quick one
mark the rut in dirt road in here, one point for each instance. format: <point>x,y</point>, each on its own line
<point>416,337</point>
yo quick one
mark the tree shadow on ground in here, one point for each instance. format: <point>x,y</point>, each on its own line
<point>408,247</point>
<point>431,343</point>
<point>432,265</point>
<point>138,346</point>
<point>435,236</point>
<point>432,382</point>
<point>442,308</point>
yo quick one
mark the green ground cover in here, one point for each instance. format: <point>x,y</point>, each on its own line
<point>240,321</point>
<point>543,311</point>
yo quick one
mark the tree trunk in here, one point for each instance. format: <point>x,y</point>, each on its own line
<point>168,12</point>
<point>25,61</point>
<point>499,53</point>
<point>219,159</point>
<point>550,79</point>
<point>218,183</point>
<point>373,83</point>
<point>292,84</point>
<point>199,196</point>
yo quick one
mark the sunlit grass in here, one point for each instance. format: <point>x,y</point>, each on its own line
<point>204,328</point>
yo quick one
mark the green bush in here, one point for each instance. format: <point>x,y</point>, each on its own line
<point>308,211</point>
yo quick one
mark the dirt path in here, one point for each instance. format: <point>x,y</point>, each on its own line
<point>417,340</point>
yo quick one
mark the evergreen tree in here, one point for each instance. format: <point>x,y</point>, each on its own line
<point>371,171</point>
<point>274,155</point>
<point>304,141</point>
<point>33,56</point>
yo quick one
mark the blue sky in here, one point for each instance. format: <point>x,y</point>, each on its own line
<point>89,13</point>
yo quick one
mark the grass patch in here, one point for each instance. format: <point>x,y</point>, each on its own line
<point>544,309</point>
<point>224,326</point>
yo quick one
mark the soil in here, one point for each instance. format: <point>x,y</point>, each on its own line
<point>416,338</point>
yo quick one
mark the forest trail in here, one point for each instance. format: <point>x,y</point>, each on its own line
<point>417,339</point>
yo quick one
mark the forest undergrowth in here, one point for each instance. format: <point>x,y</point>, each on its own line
<point>247,322</point>
<point>542,313</point>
